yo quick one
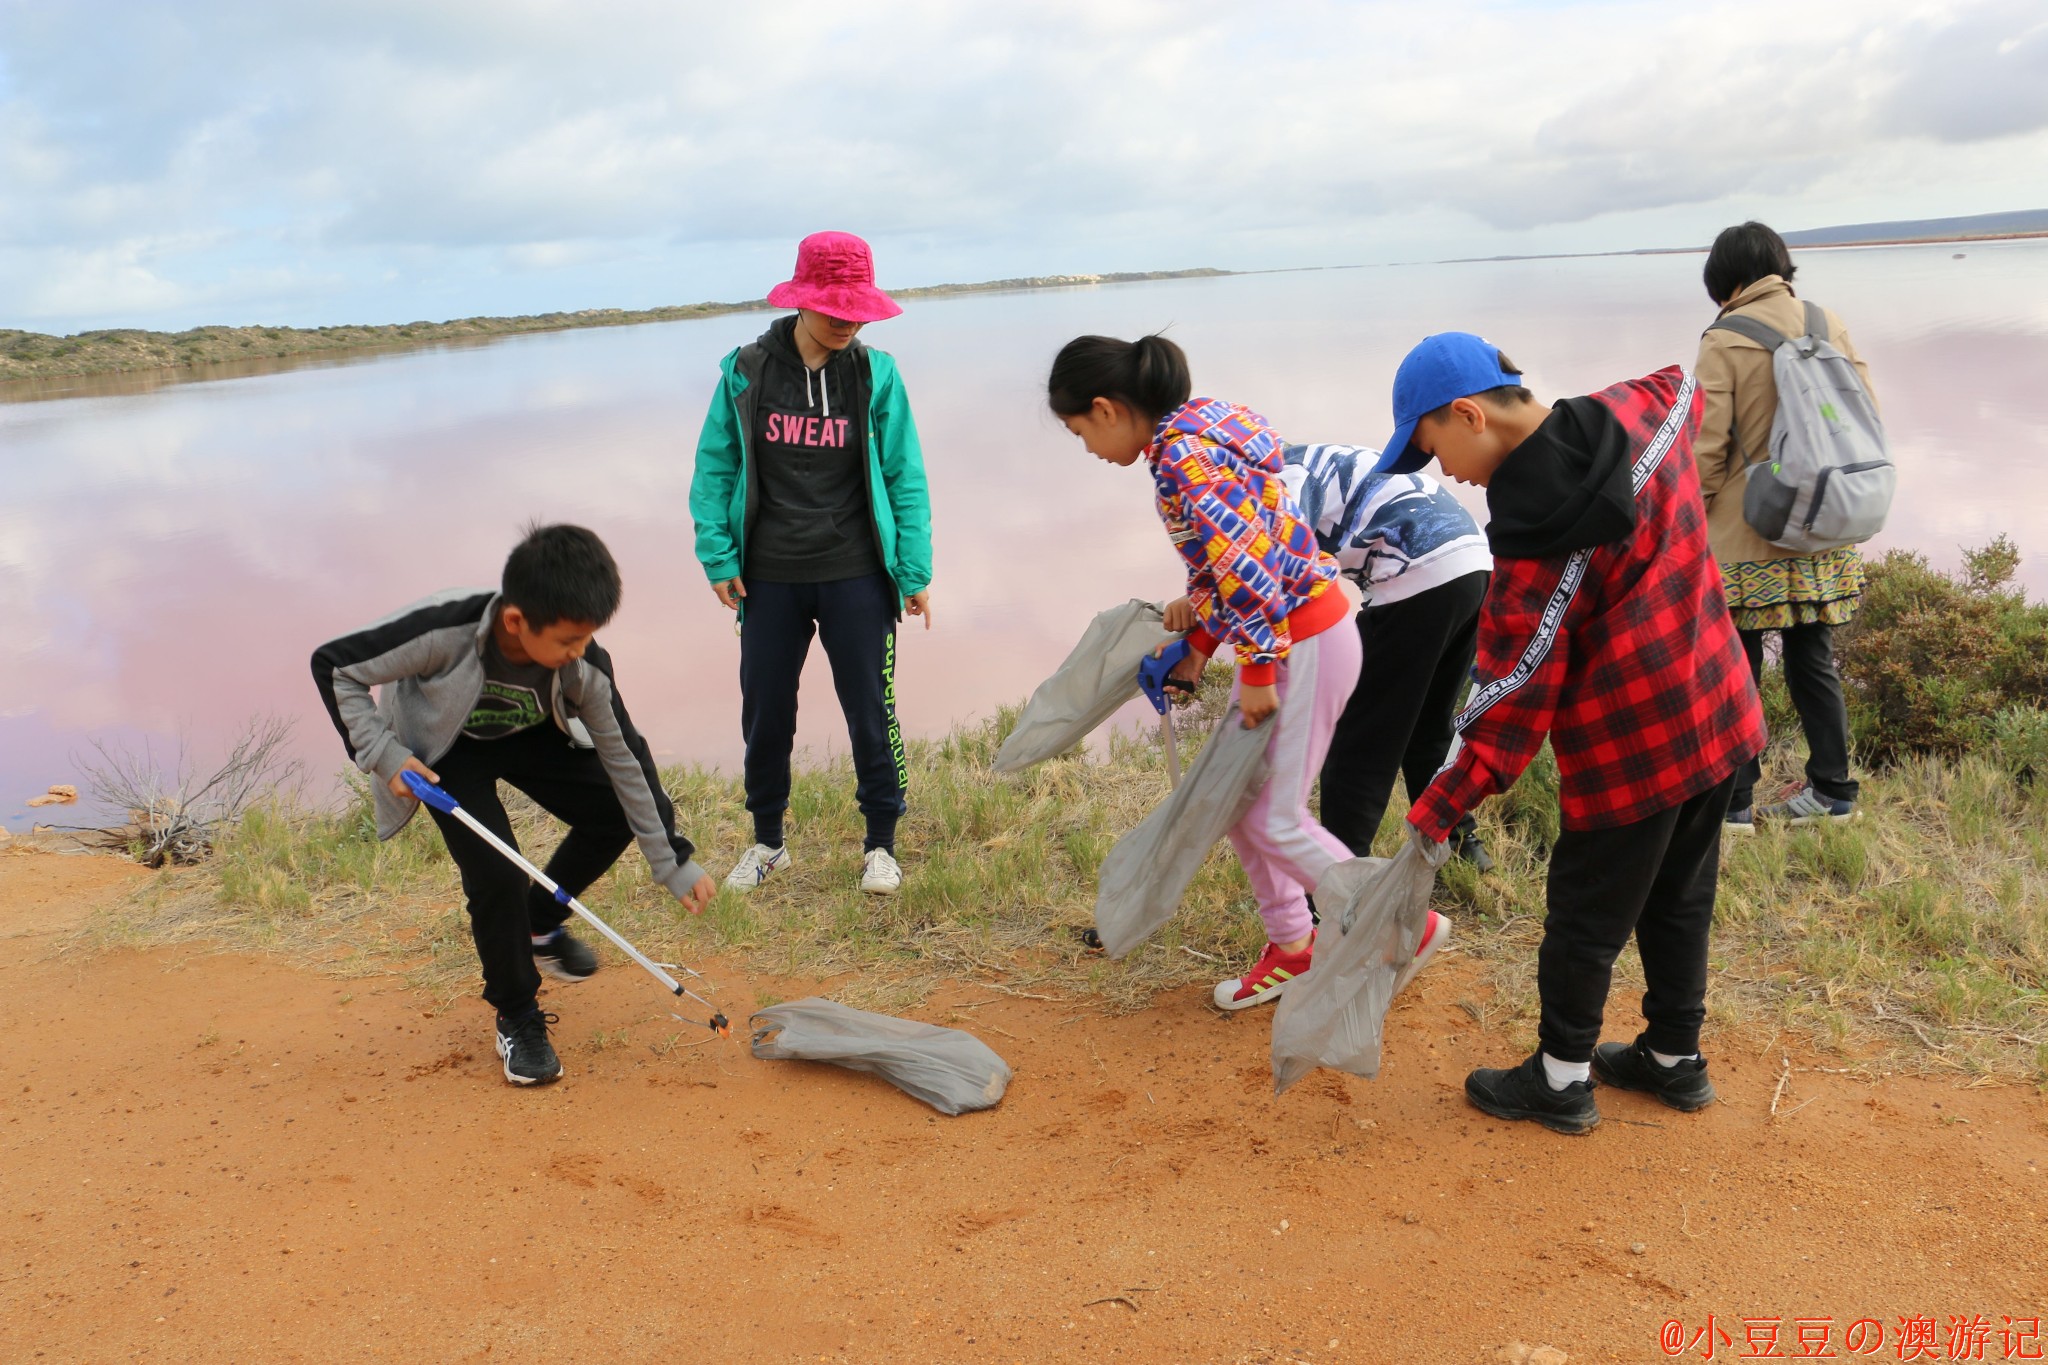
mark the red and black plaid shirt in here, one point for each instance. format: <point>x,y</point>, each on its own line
<point>1623,653</point>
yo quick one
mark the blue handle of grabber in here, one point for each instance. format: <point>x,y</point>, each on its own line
<point>428,792</point>
<point>1152,673</point>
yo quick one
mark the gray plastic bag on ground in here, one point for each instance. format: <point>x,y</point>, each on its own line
<point>1100,675</point>
<point>950,1070</point>
<point>1374,911</point>
<point>1144,876</point>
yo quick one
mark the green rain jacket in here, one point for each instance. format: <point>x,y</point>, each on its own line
<point>725,488</point>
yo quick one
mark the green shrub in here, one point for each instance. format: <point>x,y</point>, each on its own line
<point>2019,742</point>
<point>1779,714</point>
<point>1933,658</point>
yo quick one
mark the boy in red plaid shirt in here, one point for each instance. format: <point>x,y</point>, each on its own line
<point>1605,630</point>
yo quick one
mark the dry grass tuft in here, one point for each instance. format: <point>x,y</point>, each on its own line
<point>1916,936</point>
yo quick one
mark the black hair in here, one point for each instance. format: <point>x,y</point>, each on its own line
<point>561,573</point>
<point>1503,396</point>
<point>1741,256</point>
<point>1149,375</point>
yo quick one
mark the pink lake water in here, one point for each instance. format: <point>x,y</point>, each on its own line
<point>170,558</point>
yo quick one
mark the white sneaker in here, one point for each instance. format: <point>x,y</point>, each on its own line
<point>755,865</point>
<point>879,873</point>
<point>1434,937</point>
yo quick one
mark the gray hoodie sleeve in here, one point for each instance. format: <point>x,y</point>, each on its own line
<point>412,643</point>
<point>630,764</point>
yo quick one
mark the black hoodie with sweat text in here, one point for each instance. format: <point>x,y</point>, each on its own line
<point>812,521</point>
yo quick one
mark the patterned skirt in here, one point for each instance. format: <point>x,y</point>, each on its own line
<point>1779,593</point>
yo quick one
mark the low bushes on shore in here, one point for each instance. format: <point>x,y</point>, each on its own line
<point>1916,935</point>
<point>1948,664</point>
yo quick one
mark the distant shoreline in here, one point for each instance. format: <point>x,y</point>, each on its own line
<point>1942,240</point>
<point>36,365</point>
<point>223,352</point>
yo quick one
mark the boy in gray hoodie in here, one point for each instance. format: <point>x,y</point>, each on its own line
<point>481,686</point>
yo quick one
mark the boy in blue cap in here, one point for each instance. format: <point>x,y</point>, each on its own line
<point>1604,630</point>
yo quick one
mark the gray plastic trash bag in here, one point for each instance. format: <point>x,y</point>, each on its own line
<point>1374,911</point>
<point>949,1070</point>
<point>1100,675</point>
<point>1143,877</point>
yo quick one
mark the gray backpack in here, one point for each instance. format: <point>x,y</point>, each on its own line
<point>1828,479</point>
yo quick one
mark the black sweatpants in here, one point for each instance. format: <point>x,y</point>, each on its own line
<point>1816,688</point>
<point>507,907</point>
<point>1654,879</point>
<point>1418,659</point>
<point>856,620</point>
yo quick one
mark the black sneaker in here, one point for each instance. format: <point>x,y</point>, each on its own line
<point>1523,1092</point>
<point>523,1042</point>
<point>565,958</point>
<point>1467,846</point>
<point>1629,1066</point>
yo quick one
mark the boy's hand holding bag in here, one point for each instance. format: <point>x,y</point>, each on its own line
<point>1378,909</point>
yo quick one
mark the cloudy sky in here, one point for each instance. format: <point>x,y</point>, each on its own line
<point>248,161</point>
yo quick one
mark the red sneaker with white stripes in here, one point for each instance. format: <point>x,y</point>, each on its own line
<point>1269,976</point>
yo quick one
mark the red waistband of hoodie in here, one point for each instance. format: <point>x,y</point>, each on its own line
<point>1309,620</point>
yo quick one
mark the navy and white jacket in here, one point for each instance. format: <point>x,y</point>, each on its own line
<point>1393,535</point>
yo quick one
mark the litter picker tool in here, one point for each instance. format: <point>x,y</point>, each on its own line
<point>1155,679</point>
<point>442,801</point>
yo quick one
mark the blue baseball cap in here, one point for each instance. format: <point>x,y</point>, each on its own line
<point>1441,369</point>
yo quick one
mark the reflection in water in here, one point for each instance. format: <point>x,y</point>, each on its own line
<point>127,383</point>
<point>169,559</point>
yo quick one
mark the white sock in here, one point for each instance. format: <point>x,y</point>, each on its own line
<point>1562,1074</point>
<point>548,937</point>
<point>1667,1061</point>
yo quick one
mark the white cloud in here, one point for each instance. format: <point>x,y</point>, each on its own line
<point>1983,75</point>
<point>118,278</point>
<point>509,156</point>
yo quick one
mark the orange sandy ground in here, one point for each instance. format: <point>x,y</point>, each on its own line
<point>208,1157</point>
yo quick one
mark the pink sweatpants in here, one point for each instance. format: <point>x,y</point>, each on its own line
<point>1284,851</point>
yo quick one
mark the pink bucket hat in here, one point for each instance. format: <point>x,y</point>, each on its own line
<point>835,275</point>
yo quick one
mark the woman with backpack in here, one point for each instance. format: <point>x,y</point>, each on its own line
<point>1802,596</point>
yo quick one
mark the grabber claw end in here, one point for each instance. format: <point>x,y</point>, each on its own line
<point>721,1026</point>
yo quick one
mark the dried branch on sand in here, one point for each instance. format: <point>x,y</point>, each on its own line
<point>177,812</point>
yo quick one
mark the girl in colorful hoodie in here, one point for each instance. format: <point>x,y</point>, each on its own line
<point>1258,582</point>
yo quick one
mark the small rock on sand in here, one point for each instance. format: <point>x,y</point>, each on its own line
<point>1521,1353</point>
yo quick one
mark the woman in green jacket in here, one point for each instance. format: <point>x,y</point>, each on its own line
<point>813,519</point>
